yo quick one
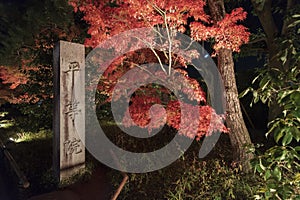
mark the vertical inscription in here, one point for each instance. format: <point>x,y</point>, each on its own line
<point>69,111</point>
<point>72,109</point>
<point>72,146</point>
<point>72,105</point>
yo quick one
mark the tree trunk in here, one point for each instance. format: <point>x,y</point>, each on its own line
<point>239,135</point>
<point>263,9</point>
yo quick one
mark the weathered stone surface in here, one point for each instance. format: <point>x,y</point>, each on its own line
<point>69,112</point>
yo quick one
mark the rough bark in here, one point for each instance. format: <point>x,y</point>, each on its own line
<point>239,135</point>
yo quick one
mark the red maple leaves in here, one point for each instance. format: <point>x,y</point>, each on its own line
<point>12,76</point>
<point>152,106</point>
<point>204,120</point>
<point>226,33</point>
<point>108,18</point>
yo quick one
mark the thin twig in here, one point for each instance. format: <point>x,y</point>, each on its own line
<point>125,178</point>
<point>155,53</point>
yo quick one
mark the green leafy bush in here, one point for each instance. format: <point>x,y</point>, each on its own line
<point>213,179</point>
<point>190,178</point>
<point>279,166</point>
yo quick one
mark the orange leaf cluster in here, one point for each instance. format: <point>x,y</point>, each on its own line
<point>144,112</point>
<point>226,33</point>
<point>204,118</point>
<point>12,76</point>
<point>108,18</point>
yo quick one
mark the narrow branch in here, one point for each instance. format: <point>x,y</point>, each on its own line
<point>264,12</point>
<point>192,41</point>
<point>125,178</point>
<point>155,53</point>
<point>150,73</point>
<point>160,11</point>
<point>169,56</point>
<point>170,44</point>
<point>121,186</point>
<point>257,40</point>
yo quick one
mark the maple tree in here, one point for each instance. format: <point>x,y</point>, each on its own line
<point>239,135</point>
<point>13,79</point>
<point>127,15</point>
<point>108,18</point>
<point>26,50</point>
<point>29,30</point>
<point>10,78</point>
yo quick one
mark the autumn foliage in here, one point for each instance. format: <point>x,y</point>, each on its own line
<point>108,18</point>
<point>11,78</point>
<point>14,80</point>
<point>28,78</point>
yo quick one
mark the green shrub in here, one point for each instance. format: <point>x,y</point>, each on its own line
<point>190,178</point>
<point>212,179</point>
<point>279,167</point>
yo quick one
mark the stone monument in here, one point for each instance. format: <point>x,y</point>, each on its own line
<point>69,109</point>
